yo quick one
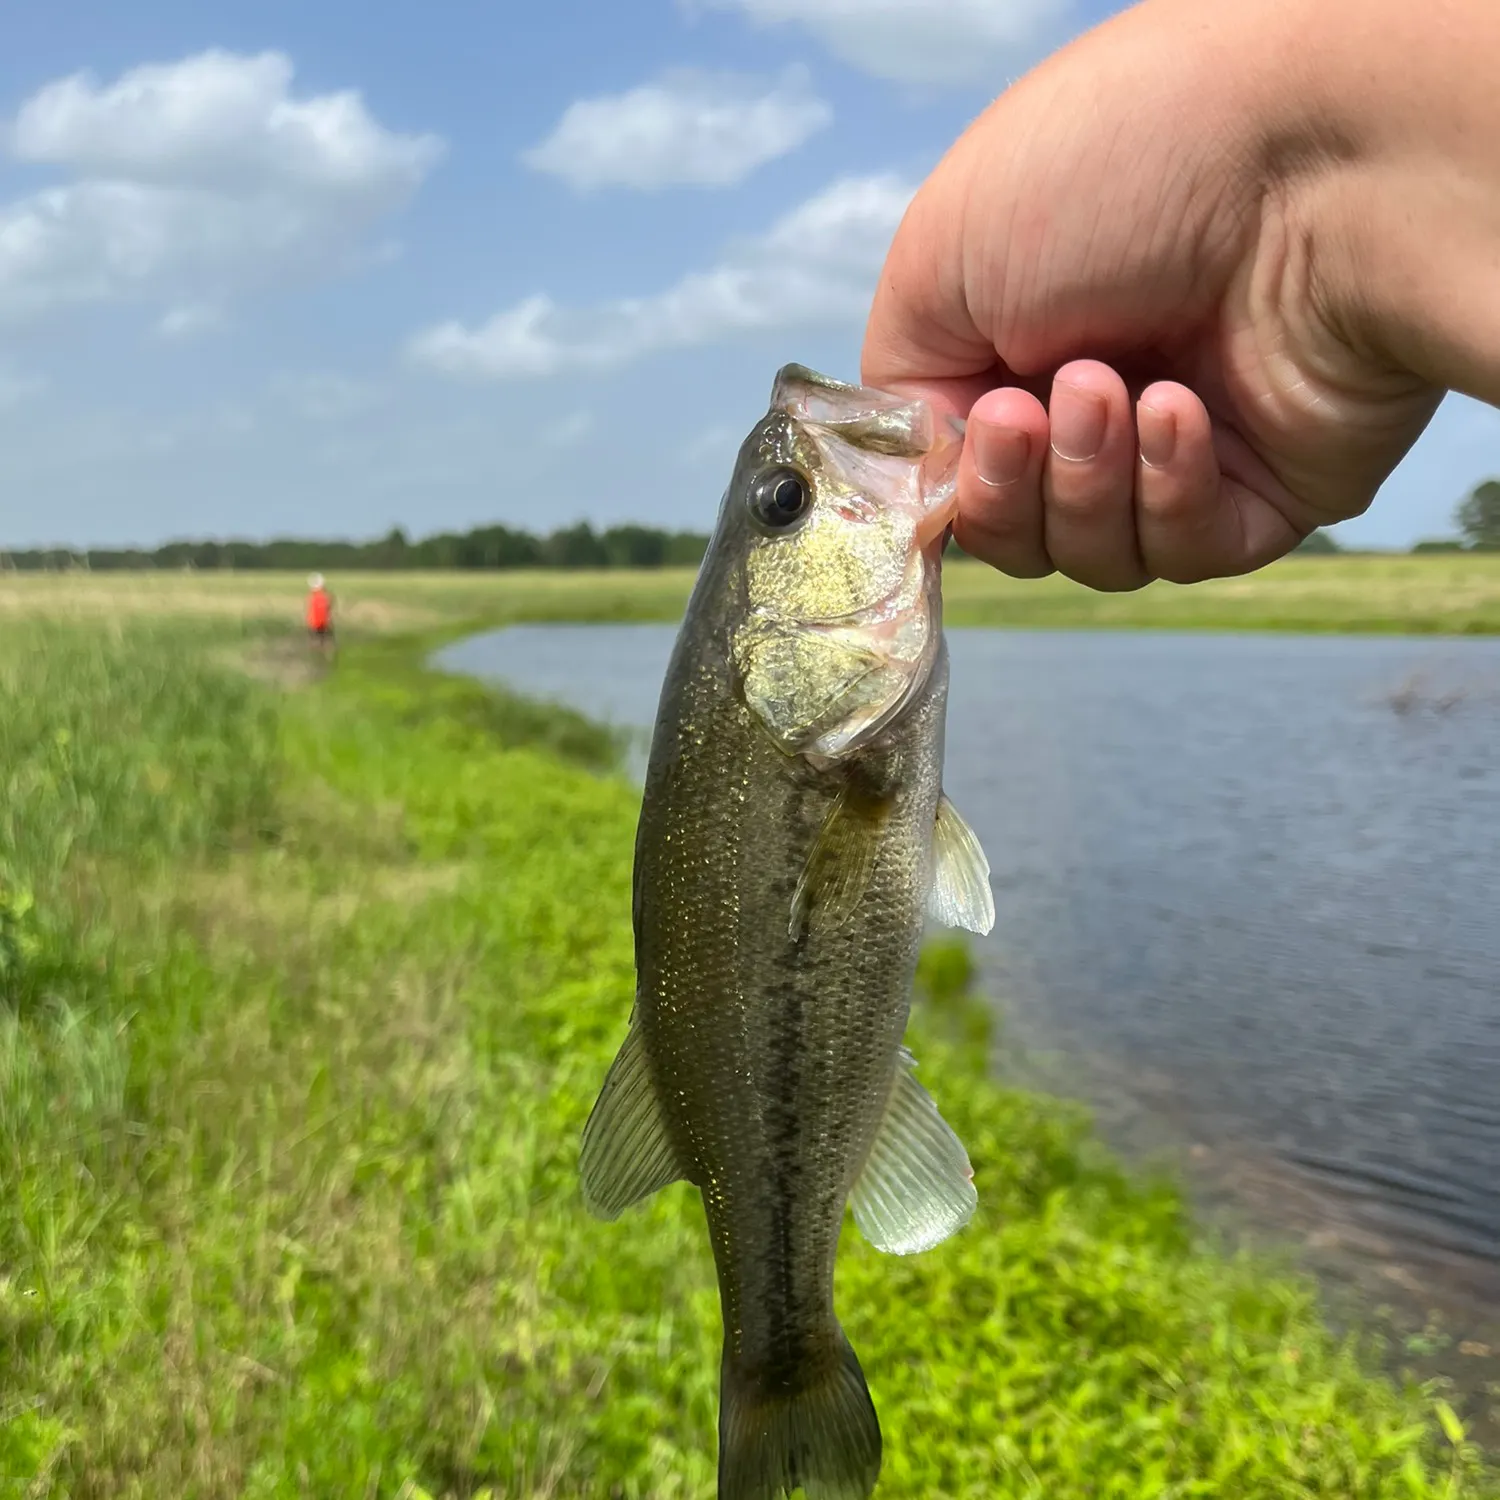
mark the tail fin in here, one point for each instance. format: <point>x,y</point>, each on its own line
<point>823,1437</point>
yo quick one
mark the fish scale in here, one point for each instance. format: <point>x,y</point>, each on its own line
<point>793,841</point>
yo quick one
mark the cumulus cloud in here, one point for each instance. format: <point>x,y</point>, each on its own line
<point>690,128</point>
<point>922,42</point>
<point>192,180</point>
<point>816,265</point>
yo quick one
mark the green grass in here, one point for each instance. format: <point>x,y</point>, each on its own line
<point>304,998</point>
<point>1439,593</point>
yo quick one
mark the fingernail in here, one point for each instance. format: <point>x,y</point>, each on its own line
<point>1078,418</point>
<point>1000,454</point>
<point>1158,435</point>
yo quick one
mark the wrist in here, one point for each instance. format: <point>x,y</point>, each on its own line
<point>1381,138</point>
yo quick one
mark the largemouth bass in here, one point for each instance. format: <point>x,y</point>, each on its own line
<point>793,839</point>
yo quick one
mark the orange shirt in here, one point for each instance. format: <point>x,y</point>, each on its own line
<point>319,609</point>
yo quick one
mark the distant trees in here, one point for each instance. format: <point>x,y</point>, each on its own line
<point>1477,520</point>
<point>1318,541</point>
<point>1478,517</point>
<point>493,547</point>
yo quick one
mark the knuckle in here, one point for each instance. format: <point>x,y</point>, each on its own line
<point>1173,502</point>
<point>1009,519</point>
<point>1087,493</point>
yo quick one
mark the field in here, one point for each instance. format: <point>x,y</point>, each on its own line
<point>1438,593</point>
<point>306,986</point>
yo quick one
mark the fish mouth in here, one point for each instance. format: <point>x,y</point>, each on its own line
<point>940,495</point>
<point>936,521</point>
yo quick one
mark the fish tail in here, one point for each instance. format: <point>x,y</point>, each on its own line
<point>820,1433</point>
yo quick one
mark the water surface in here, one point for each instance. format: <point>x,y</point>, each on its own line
<point>1246,892</point>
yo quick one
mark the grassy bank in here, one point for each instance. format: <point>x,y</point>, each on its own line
<point>304,997</point>
<point>1442,593</point>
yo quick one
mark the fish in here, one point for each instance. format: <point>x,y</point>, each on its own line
<point>793,840</point>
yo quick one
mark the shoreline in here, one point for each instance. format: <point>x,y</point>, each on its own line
<point>1435,1309</point>
<point>1413,1322</point>
<point>1355,1244</point>
<point>307,959</point>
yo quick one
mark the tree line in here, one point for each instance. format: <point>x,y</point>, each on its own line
<point>577,546</point>
<point>1477,520</point>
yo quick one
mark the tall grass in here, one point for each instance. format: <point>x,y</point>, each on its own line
<point>1439,593</point>
<point>306,998</point>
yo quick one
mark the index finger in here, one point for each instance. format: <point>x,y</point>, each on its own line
<point>920,338</point>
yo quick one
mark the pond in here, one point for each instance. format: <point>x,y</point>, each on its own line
<point>1246,891</point>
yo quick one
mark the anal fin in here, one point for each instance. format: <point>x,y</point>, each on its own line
<point>961,894</point>
<point>917,1187</point>
<point>626,1153</point>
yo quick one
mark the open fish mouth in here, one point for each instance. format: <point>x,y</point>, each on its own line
<point>937,518</point>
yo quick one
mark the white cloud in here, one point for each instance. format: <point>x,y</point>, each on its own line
<point>216,118</point>
<point>924,42</point>
<point>690,128</point>
<point>192,180</point>
<point>817,265</point>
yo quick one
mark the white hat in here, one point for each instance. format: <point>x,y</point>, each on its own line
<point>315,581</point>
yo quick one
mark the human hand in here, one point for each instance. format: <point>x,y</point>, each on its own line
<point>1144,275</point>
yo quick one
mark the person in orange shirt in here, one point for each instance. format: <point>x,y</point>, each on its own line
<point>320,614</point>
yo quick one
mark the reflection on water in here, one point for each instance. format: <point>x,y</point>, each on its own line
<point>1246,894</point>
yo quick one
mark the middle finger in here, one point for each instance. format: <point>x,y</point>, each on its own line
<point>1088,480</point>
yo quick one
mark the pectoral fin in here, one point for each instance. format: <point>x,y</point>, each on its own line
<point>917,1186</point>
<point>626,1153</point>
<point>960,895</point>
<point>839,868</point>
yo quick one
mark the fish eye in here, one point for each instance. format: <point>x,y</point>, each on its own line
<point>780,497</point>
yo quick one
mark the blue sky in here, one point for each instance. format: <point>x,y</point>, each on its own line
<point>272,268</point>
